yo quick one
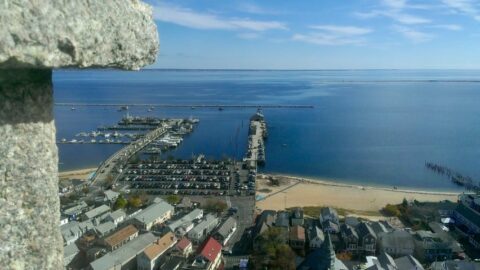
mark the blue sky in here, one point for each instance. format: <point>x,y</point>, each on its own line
<point>318,34</point>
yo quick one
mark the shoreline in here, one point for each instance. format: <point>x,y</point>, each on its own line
<point>296,191</point>
<point>76,174</point>
<point>333,182</point>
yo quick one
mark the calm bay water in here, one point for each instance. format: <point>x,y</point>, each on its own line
<point>372,127</point>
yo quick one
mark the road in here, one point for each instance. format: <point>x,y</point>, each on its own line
<point>124,154</point>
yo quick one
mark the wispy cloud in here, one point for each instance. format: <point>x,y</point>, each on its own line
<point>412,34</point>
<point>451,27</point>
<point>334,35</point>
<point>468,7</point>
<point>343,30</point>
<point>397,10</point>
<point>193,19</point>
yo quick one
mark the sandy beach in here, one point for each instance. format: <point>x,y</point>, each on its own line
<point>76,174</point>
<point>368,200</point>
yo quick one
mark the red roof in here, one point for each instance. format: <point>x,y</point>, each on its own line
<point>183,244</point>
<point>210,249</point>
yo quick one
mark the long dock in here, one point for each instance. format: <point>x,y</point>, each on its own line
<point>156,105</point>
<point>125,154</point>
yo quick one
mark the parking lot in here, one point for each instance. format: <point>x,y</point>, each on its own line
<point>190,177</point>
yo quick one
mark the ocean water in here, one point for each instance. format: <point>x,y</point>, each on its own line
<point>375,127</point>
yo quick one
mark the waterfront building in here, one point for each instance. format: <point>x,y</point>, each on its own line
<point>367,238</point>
<point>297,217</point>
<point>397,243</point>
<point>297,237</point>
<point>467,217</point>
<point>350,238</point>
<point>429,247</point>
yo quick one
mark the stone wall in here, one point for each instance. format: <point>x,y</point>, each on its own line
<point>36,36</point>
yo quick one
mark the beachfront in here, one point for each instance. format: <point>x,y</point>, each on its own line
<point>367,200</point>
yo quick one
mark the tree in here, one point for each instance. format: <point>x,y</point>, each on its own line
<point>392,210</point>
<point>272,251</point>
<point>135,202</point>
<point>405,203</point>
<point>120,203</point>
<point>173,199</point>
<point>215,206</point>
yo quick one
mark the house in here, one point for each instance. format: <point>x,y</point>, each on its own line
<point>125,256</point>
<point>209,255</point>
<point>64,220</point>
<point>367,238</point>
<point>120,237</point>
<point>149,258</point>
<point>110,196</point>
<point>69,253</point>
<point>185,203</point>
<point>329,214</point>
<point>102,209</point>
<point>429,247</point>
<point>296,237</point>
<point>297,217</point>
<point>154,214</point>
<point>184,247</point>
<point>116,217</point>
<point>75,210</point>
<point>467,213</point>
<point>383,262</point>
<point>206,225</point>
<point>104,228</point>
<point>397,243</point>
<point>264,221</point>
<point>455,265</point>
<point>408,263</point>
<point>283,220</point>
<point>329,226</point>
<point>315,237</point>
<point>226,230</point>
<point>74,230</point>
<point>378,227</point>
<point>322,258</point>
<point>350,238</point>
<point>185,224</point>
<point>351,221</point>
<point>172,263</point>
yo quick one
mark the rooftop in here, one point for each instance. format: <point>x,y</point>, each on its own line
<point>187,219</point>
<point>120,235</point>
<point>154,211</point>
<point>227,226</point>
<point>210,249</point>
<point>158,248</point>
<point>297,233</point>
<point>97,211</point>
<point>183,244</point>
<point>124,254</point>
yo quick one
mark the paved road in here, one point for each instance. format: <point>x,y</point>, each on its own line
<point>124,154</point>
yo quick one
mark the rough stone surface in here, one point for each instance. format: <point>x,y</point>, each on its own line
<point>76,33</point>
<point>29,203</point>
